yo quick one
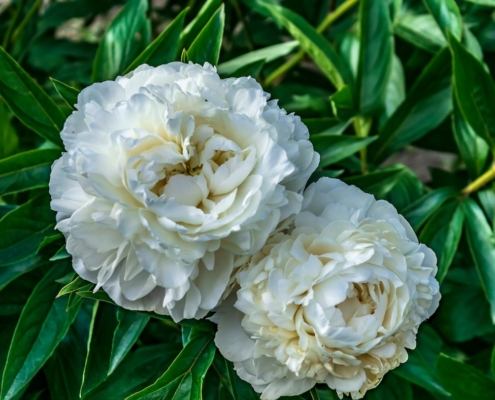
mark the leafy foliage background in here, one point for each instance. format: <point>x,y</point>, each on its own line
<point>377,82</point>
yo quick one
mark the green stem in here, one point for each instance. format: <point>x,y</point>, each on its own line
<point>26,19</point>
<point>480,181</point>
<point>322,27</point>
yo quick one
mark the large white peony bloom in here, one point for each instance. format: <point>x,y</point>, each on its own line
<point>170,174</point>
<point>336,301</point>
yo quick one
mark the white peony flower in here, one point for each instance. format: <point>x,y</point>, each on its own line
<point>170,174</point>
<point>336,301</point>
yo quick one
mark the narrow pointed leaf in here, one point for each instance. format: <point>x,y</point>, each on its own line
<point>375,54</point>
<point>317,47</point>
<point>74,286</point>
<point>380,182</point>
<point>9,272</point>
<point>474,90</point>
<point>129,327</point>
<point>442,234</point>
<point>68,93</point>
<point>23,229</point>
<point>192,30</point>
<point>27,170</point>
<point>482,246</point>
<point>165,48</point>
<point>28,101</point>
<point>447,15</point>
<point>206,47</point>
<point>335,148</point>
<point>42,325</point>
<point>126,37</point>
<point>184,378</point>
<point>427,104</point>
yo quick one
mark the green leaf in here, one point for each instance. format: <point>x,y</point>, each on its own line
<point>442,234</point>
<point>335,148</point>
<point>9,272</point>
<point>422,209</point>
<point>125,38</point>
<point>482,246</point>
<point>492,362</point>
<point>343,103</point>
<point>206,47</point>
<point>28,101</point>
<point>184,378</point>
<point>267,54</point>
<point>26,171</point>
<point>311,41</point>
<point>420,366</point>
<point>323,393</point>
<point>427,104</point>
<point>165,48</point>
<point>407,190</point>
<point>447,15</point>
<point>27,226</point>
<point>380,182</point>
<point>63,370</point>
<point>192,30</point>
<point>8,136</point>
<point>473,148</point>
<point>238,388</point>
<point>464,381</point>
<point>392,387</point>
<point>129,327</point>
<point>463,300</point>
<point>139,369</point>
<point>375,54</point>
<point>66,92</point>
<point>77,284</point>
<point>42,325</point>
<point>489,3</point>
<point>420,30</point>
<point>97,365</point>
<point>396,87</point>
<point>60,254</point>
<point>474,90</point>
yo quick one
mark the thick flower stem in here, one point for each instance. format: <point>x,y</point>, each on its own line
<point>480,181</point>
<point>324,25</point>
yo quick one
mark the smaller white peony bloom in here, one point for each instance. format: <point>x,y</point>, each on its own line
<point>337,301</point>
<point>171,176</point>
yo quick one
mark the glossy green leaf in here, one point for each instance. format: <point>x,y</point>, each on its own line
<point>206,47</point>
<point>482,246</point>
<point>395,92</point>
<point>492,362</point>
<point>267,54</point>
<point>342,102</point>
<point>375,54</point>
<point>63,370</point>
<point>422,209</point>
<point>165,48</point>
<point>335,148</point>
<point>474,90</point>
<point>192,30</point>
<point>9,272</point>
<point>464,381</point>
<point>77,284</point>
<point>392,387</point>
<point>442,234</point>
<point>27,170</point>
<point>139,369</point>
<point>101,332</point>
<point>473,148</point>
<point>420,366</point>
<point>66,92</point>
<point>8,135</point>
<point>427,104</point>
<point>238,388</point>
<point>27,226</point>
<point>125,38</point>
<point>380,182</point>
<point>421,30</point>
<point>447,15</point>
<point>129,327</point>
<point>60,254</point>
<point>28,101</point>
<point>184,378</point>
<point>311,41</point>
<point>42,325</point>
<point>490,3</point>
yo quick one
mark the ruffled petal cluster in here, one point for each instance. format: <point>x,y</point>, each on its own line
<point>337,299</point>
<point>171,175</point>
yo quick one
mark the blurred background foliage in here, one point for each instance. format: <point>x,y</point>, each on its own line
<point>399,98</point>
